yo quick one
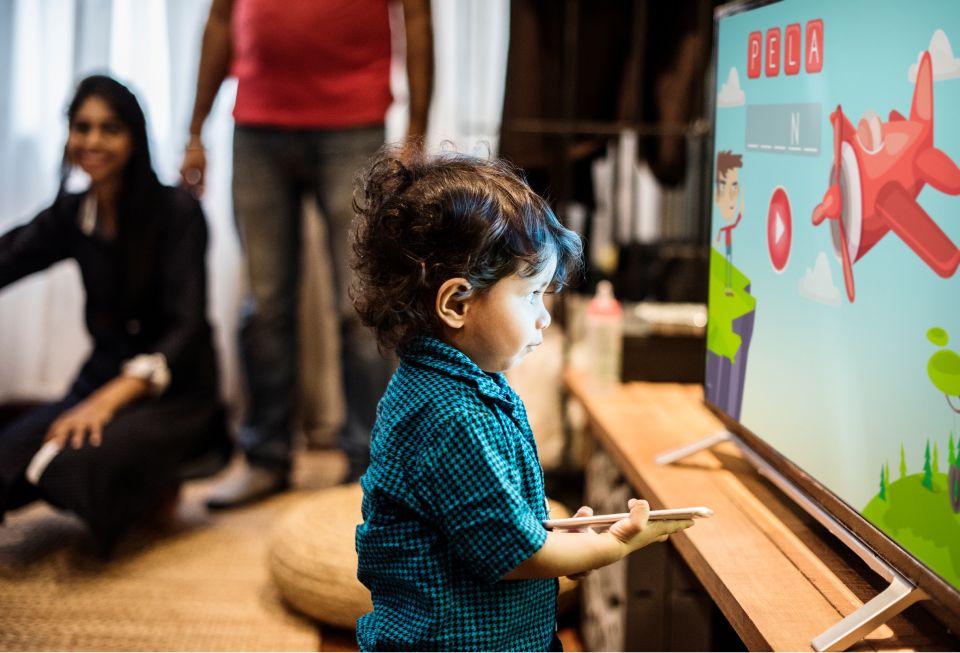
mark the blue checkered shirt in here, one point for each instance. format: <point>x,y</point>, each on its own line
<point>453,500</point>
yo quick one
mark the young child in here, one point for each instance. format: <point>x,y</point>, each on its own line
<point>453,258</point>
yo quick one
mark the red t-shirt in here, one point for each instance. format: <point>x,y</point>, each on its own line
<point>311,63</point>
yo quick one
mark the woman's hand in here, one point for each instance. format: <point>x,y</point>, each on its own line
<point>86,420</point>
<point>636,531</point>
<point>584,511</point>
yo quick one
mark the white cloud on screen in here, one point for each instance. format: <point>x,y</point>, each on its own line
<point>817,283</point>
<point>945,65</point>
<point>731,95</point>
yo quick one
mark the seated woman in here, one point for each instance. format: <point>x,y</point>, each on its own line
<point>145,403</point>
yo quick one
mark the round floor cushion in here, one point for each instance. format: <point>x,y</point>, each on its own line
<point>313,561</point>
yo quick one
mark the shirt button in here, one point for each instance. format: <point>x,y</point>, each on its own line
<point>133,327</point>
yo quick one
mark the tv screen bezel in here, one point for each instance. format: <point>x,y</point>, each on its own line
<point>881,544</point>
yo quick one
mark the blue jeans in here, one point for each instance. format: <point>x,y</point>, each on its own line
<point>272,169</point>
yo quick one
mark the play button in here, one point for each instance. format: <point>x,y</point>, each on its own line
<point>779,229</point>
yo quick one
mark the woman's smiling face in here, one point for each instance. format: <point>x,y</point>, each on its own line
<point>98,142</point>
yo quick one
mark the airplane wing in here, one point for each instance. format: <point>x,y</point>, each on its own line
<point>939,170</point>
<point>917,229</point>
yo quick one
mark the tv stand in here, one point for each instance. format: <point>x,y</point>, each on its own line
<point>899,594</point>
<point>679,453</point>
<point>776,573</point>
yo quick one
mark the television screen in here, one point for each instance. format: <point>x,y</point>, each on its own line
<point>834,299</point>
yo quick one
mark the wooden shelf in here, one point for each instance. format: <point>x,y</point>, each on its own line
<point>778,576</point>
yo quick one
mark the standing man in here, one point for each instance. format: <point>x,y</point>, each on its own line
<point>728,192</point>
<point>313,88</point>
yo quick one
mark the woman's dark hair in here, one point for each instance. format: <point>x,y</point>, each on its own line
<point>140,188</point>
<point>434,218</point>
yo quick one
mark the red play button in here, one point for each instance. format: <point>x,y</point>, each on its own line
<point>779,229</point>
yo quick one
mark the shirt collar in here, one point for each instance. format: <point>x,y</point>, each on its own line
<point>87,216</point>
<point>433,354</point>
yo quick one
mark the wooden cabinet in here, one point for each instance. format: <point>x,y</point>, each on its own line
<point>650,601</point>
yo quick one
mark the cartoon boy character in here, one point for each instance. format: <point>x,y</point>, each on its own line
<point>728,191</point>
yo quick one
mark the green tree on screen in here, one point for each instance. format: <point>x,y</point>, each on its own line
<point>927,469</point>
<point>903,463</point>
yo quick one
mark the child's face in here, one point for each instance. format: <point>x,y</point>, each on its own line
<point>504,324</point>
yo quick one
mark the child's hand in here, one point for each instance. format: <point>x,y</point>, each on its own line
<point>584,511</point>
<point>636,531</point>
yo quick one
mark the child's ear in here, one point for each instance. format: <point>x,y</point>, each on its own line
<point>452,301</point>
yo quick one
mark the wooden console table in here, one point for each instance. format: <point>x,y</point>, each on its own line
<point>778,576</point>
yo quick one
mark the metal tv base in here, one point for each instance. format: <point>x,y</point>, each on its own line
<point>899,594</point>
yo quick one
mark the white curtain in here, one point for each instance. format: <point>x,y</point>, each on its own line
<point>46,46</point>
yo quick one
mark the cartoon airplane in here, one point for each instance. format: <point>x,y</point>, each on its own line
<point>878,170</point>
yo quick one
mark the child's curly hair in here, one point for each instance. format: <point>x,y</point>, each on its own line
<point>428,219</point>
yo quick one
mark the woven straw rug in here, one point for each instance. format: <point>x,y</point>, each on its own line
<point>201,584</point>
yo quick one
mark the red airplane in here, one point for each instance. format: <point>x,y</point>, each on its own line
<point>879,169</point>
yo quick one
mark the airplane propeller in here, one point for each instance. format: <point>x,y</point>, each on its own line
<point>831,208</point>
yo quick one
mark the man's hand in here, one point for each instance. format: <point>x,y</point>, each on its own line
<point>193,169</point>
